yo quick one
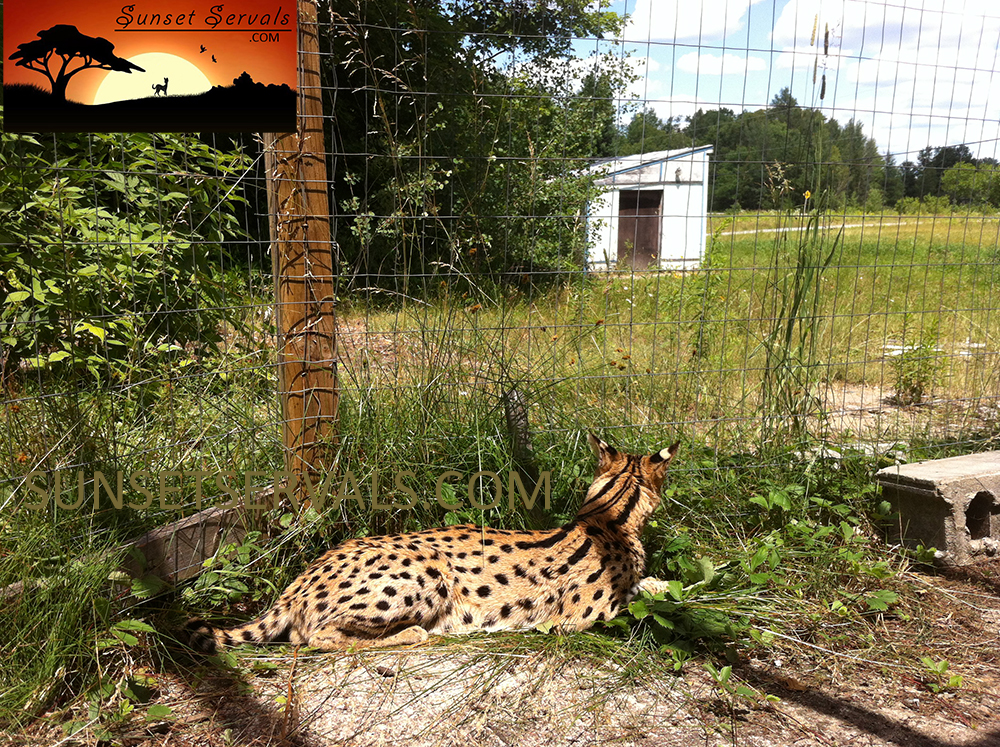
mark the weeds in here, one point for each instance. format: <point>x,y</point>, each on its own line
<point>730,691</point>
<point>936,676</point>
<point>916,367</point>
<point>767,556</point>
<point>229,574</point>
<point>791,321</point>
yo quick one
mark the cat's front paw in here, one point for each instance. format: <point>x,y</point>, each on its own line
<point>650,585</point>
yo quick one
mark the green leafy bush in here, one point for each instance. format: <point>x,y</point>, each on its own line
<point>916,368</point>
<point>932,205</point>
<point>109,246</point>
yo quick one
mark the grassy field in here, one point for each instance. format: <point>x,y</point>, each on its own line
<point>903,307</point>
<point>749,361</point>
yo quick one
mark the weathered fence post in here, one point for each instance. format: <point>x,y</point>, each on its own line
<point>302,252</point>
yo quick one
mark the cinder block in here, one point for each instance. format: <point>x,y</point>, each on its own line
<point>177,550</point>
<point>951,504</point>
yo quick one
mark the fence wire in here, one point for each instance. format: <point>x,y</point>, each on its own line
<point>759,227</point>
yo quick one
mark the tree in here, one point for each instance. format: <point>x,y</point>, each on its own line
<point>968,184</point>
<point>892,185</point>
<point>910,174</point>
<point>96,271</point>
<point>931,165</point>
<point>647,133</point>
<point>66,43</point>
<point>595,106</point>
<point>463,135</point>
<point>960,183</point>
<point>704,128</point>
<point>785,108</point>
<point>865,167</point>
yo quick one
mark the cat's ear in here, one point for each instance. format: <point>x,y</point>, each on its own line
<point>659,462</point>
<point>605,453</point>
<point>665,455</point>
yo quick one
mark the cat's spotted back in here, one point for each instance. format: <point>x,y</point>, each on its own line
<point>399,588</point>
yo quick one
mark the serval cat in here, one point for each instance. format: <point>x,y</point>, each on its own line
<point>383,591</point>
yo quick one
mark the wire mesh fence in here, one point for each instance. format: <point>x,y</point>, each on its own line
<point>756,226</point>
<point>520,219</point>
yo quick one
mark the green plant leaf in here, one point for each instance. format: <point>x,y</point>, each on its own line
<point>637,608</point>
<point>147,586</point>
<point>159,711</point>
<point>880,601</point>
<point>127,638</point>
<point>664,622</point>
<point>707,570</point>
<point>98,332</point>
<point>134,625</point>
<point>17,297</point>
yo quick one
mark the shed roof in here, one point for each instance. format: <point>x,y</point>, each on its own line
<point>621,164</point>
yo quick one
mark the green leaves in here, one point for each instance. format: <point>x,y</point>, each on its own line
<point>148,586</point>
<point>122,633</point>
<point>504,145</point>
<point>696,610</point>
<point>17,297</point>
<point>99,332</point>
<point>99,231</point>
<point>225,576</point>
<point>774,499</point>
<point>722,678</point>
<point>880,600</point>
<point>938,680</point>
<point>637,608</point>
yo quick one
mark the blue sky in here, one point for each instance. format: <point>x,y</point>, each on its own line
<point>914,72</point>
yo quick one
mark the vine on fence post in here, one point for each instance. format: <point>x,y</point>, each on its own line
<point>303,262</point>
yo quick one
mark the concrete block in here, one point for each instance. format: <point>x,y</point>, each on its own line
<point>176,551</point>
<point>951,504</point>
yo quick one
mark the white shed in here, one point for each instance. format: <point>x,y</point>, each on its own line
<point>653,212</point>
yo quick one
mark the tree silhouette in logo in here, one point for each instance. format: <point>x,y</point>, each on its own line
<point>61,46</point>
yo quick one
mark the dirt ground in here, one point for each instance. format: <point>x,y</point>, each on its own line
<point>869,415</point>
<point>508,690</point>
<point>866,414</point>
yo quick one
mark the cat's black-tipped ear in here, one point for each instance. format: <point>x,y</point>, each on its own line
<point>606,454</point>
<point>663,456</point>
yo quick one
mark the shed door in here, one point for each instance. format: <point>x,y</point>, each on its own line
<point>639,228</point>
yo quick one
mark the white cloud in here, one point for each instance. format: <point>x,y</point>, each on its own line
<point>648,82</point>
<point>684,20</point>
<point>727,64</point>
<point>935,23</point>
<point>913,72</point>
<point>921,72</point>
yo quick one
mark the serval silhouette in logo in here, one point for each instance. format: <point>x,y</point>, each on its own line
<point>158,89</point>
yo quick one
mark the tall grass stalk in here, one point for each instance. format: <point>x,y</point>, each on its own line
<point>793,326</point>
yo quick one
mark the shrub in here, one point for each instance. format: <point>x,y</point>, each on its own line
<point>916,367</point>
<point>107,246</point>
<point>931,205</point>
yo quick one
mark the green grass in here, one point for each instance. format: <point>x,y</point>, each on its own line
<point>763,540</point>
<point>692,348</point>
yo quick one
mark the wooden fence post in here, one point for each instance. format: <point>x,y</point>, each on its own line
<point>302,252</point>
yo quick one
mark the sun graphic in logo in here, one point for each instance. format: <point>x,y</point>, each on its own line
<point>171,74</point>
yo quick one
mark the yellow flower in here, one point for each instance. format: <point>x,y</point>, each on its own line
<point>808,194</point>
